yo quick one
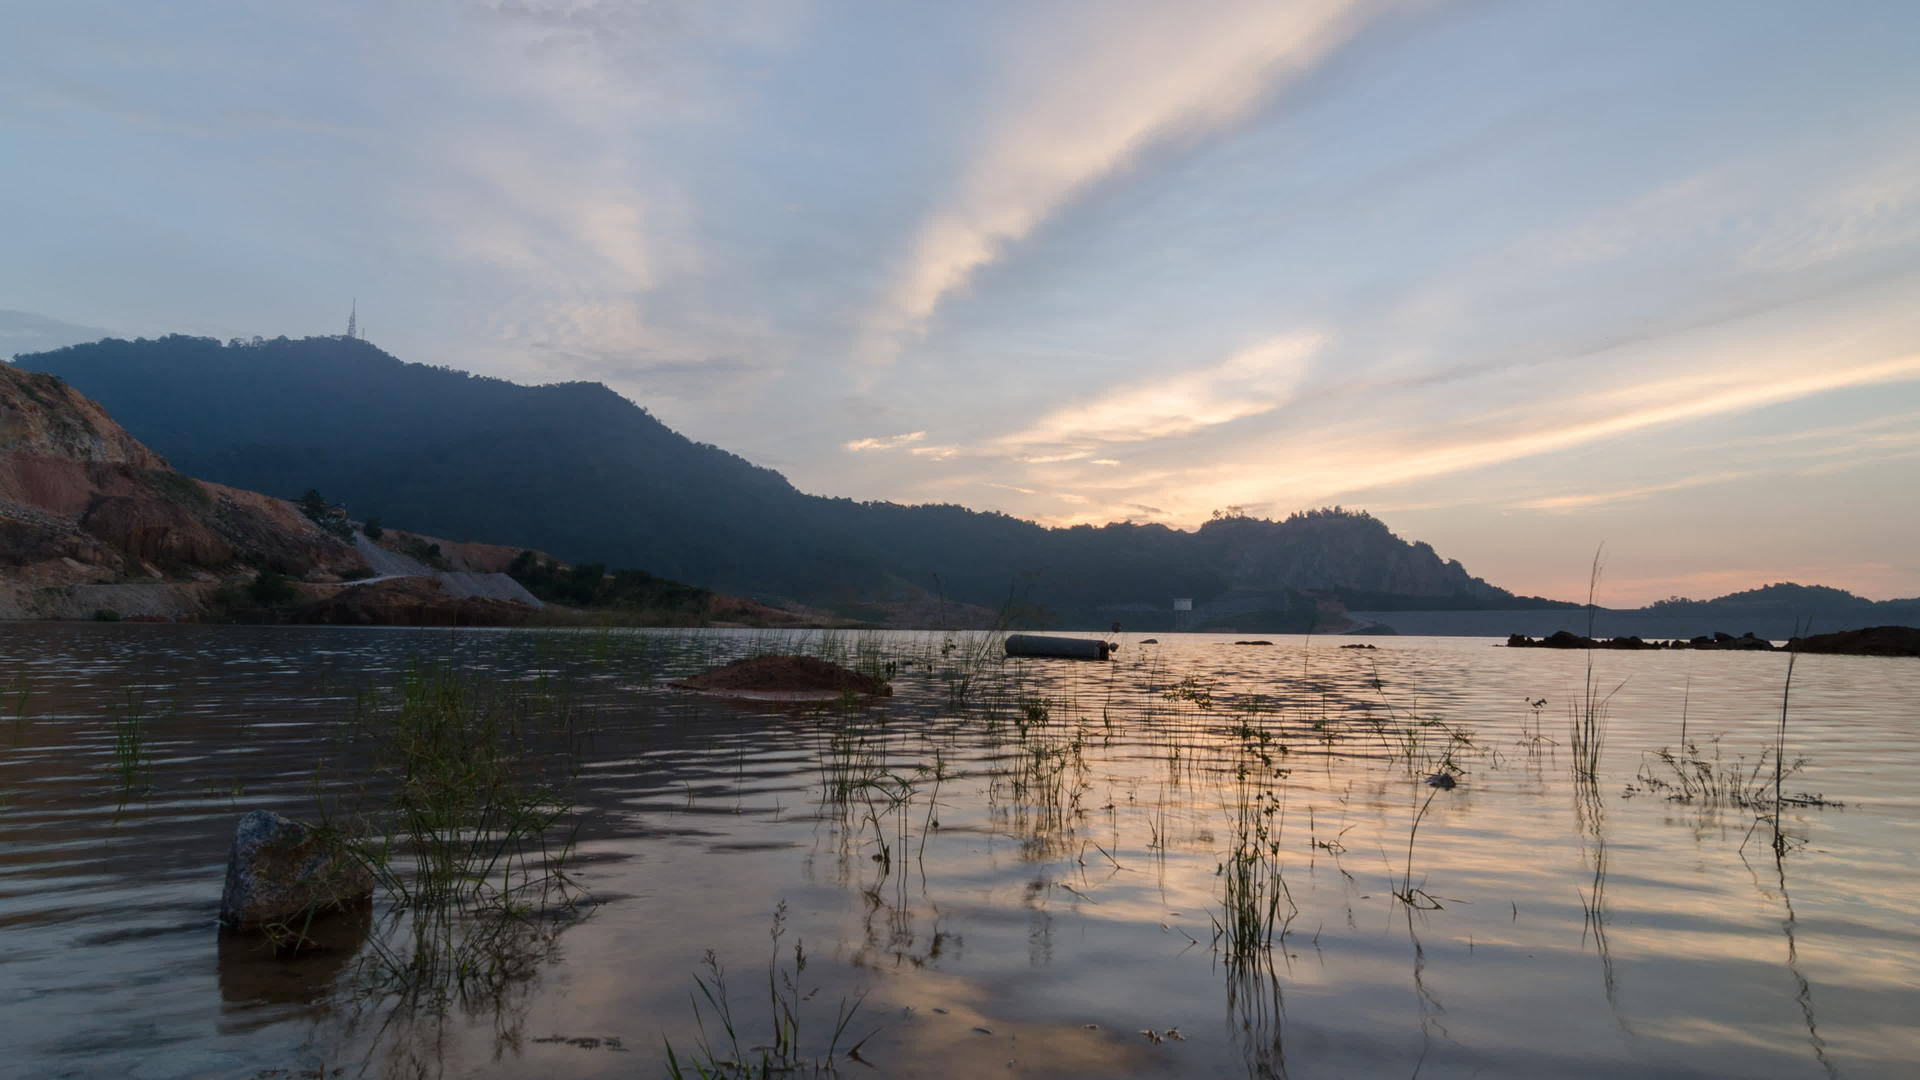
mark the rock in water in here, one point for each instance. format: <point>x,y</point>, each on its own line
<point>280,870</point>
<point>1442,780</point>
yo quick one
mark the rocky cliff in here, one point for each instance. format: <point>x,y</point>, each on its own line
<point>92,523</point>
<point>83,502</point>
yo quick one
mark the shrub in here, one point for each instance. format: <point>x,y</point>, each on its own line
<point>324,514</point>
<point>270,589</point>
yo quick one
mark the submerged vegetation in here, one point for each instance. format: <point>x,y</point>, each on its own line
<point>788,1049</point>
<point>457,805</point>
<point>1261,802</point>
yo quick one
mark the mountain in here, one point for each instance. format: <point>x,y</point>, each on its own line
<point>577,470</point>
<point>1792,607</point>
<point>1782,597</point>
<point>1775,612</point>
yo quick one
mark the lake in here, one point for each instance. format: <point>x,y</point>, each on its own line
<point>1200,859</point>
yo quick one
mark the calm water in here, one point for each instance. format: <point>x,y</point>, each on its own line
<point>1027,881</point>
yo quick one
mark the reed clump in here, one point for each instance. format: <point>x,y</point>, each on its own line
<point>790,1049</point>
<point>1706,778</point>
<point>130,756</point>
<point>469,843</point>
<point>1256,905</point>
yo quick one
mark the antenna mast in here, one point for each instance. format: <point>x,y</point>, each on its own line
<point>353,319</point>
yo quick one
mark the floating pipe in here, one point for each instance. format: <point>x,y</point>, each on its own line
<point>1063,648</point>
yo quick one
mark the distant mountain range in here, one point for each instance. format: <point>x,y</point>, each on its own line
<point>1776,612</point>
<point>576,470</point>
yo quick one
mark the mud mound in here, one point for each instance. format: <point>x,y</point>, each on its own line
<point>785,675</point>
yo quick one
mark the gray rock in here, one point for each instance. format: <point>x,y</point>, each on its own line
<point>280,870</point>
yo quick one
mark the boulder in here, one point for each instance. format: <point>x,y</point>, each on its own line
<point>280,871</point>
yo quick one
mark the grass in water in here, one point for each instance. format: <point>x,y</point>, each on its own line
<point>130,757</point>
<point>1705,778</point>
<point>469,846</point>
<point>1408,893</point>
<point>785,1052</point>
<point>1253,883</point>
<point>19,693</point>
<point>1587,717</point>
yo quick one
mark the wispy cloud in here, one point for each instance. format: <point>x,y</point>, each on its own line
<point>1141,75</point>
<point>1250,382</point>
<point>1585,499</point>
<point>884,442</point>
<point>1875,209</point>
<point>1345,467</point>
<point>1645,405</point>
<point>1841,438</point>
<point>1062,496</point>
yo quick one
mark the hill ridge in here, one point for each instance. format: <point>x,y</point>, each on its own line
<point>576,469</point>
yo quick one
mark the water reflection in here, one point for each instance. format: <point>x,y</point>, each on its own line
<point>1042,850</point>
<point>253,972</point>
<point>1257,1016</point>
<point>1789,923</point>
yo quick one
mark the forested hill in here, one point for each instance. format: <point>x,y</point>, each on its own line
<point>1819,607</point>
<point>577,470</point>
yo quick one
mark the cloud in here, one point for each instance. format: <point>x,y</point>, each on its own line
<point>1138,77</point>
<point>1063,496</point>
<point>1582,500</point>
<point>886,442</point>
<point>1863,434</point>
<point>26,332</point>
<point>1873,210</point>
<point>582,225</point>
<point>1250,382</point>
<point>1329,469</point>
<point>1643,405</point>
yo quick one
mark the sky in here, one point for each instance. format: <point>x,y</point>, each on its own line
<point>1525,280</point>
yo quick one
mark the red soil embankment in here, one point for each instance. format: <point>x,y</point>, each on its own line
<point>785,675</point>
